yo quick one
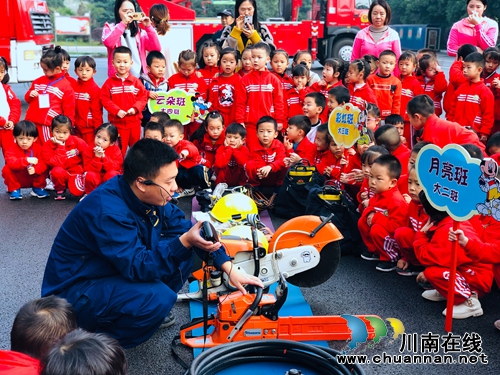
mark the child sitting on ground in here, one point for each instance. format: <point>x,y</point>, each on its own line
<point>337,97</point>
<point>231,157</point>
<point>24,165</point>
<point>373,119</point>
<point>385,213</point>
<point>321,143</point>
<point>209,137</point>
<point>388,136</point>
<point>265,166</point>
<point>296,143</point>
<point>335,162</point>
<point>367,159</point>
<point>190,171</point>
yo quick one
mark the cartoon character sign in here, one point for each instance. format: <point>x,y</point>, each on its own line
<point>489,183</point>
<point>200,108</point>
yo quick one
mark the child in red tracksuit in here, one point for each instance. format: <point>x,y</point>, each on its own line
<point>24,165</point>
<point>388,136</point>
<point>10,107</point>
<point>279,63</point>
<point>209,137</point>
<point>259,95</point>
<point>408,264</point>
<point>410,87</point>
<point>231,157</point>
<point>474,102</point>
<point>321,143</point>
<point>297,145</point>
<point>50,95</point>
<point>88,108</point>
<point>456,76</point>
<point>332,77</point>
<point>334,164</point>
<point>433,250</point>
<point>222,91</point>
<point>295,96</point>
<point>124,97</point>
<point>387,88</point>
<point>103,161</point>
<point>360,91</point>
<point>367,159</point>
<point>265,165</point>
<point>64,153</point>
<point>191,172</point>
<point>432,80</point>
<point>385,213</point>
<point>208,61</point>
<point>492,80</point>
<point>188,80</point>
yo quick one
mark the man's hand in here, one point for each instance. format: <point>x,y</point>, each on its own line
<point>193,238</point>
<point>239,279</point>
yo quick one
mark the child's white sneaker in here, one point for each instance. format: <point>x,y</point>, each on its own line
<point>468,308</point>
<point>49,184</point>
<point>433,295</point>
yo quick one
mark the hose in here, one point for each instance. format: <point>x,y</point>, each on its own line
<point>314,357</point>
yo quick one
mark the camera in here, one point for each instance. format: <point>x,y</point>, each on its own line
<point>137,16</point>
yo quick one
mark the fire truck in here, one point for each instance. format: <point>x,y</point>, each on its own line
<point>26,31</point>
<point>329,30</point>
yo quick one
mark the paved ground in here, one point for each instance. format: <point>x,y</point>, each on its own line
<point>28,227</point>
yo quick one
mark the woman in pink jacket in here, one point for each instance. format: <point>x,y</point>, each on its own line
<point>377,37</point>
<point>477,30</point>
<point>126,32</point>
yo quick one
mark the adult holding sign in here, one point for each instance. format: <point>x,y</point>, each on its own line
<point>450,178</point>
<point>474,29</point>
<point>126,32</point>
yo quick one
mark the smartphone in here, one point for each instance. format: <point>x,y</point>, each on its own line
<point>247,20</point>
<point>137,16</point>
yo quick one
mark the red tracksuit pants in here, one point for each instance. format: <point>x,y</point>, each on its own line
<point>129,136</point>
<point>404,238</point>
<point>231,176</point>
<point>467,280</point>
<point>94,179</point>
<point>378,240</point>
<point>61,179</point>
<point>22,179</point>
<point>6,138</point>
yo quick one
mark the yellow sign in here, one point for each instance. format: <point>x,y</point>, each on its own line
<point>343,125</point>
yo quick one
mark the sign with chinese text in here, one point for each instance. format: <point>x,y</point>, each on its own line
<point>177,103</point>
<point>451,180</point>
<point>343,125</point>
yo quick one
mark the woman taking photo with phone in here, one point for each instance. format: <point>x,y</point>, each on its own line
<point>246,29</point>
<point>127,32</point>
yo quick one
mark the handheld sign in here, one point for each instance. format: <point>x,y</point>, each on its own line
<point>346,124</point>
<point>451,181</point>
<point>177,103</point>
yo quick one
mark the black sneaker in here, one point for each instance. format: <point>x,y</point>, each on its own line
<point>169,321</point>
<point>368,255</point>
<point>410,270</point>
<point>386,266</point>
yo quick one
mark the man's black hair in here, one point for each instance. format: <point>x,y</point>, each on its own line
<point>145,158</point>
<point>392,164</point>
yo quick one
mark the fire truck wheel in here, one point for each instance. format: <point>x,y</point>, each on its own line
<point>343,49</point>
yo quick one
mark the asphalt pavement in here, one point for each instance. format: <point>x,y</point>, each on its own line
<point>28,227</point>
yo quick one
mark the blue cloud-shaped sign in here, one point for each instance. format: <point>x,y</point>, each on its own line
<point>450,179</point>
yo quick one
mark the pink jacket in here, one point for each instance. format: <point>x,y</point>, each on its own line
<point>147,39</point>
<point>483,35</point>
<point>364,44</point>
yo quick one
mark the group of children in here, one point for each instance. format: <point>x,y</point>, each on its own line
<point>261,123</point>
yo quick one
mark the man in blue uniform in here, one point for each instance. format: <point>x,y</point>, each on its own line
<point>124,252</point>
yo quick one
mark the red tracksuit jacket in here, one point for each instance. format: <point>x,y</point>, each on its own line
<point>208,73</point>
<point>320,155</point>
<point>286,81</point>
<point>14,105</point>
<point>435,87</point>
<point>360,95</point>
<point>273,156</point>
<point>69,156</point>
<point>305,149</point>
<point>259,94</point>
<point>122,94</point>
<point>294,101</point>
<point>17,158</point>
<point>61,100</point>
<point>88,108</point>
<point>222,95</point>
<point>193,158</point>
<point>474,106</point>
<point>208,148</point>
<point>192,83</point>
<point>111,161</point>
<point>416,216</point>
<point>442,132</point>
<point>390,210</point>
<point>388,93</point>
<point>231,161</point>
<point>402,153</point>
<point>323,89</point>
<point>457,79</point>
<point>410,87</point>
<point>331,161</point>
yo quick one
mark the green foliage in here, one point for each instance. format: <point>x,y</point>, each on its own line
<point>266,9</point>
